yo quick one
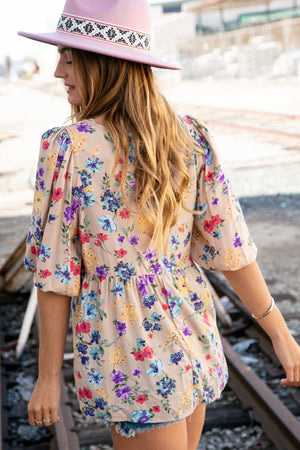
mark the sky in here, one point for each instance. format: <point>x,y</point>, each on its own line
<point>29,15</point>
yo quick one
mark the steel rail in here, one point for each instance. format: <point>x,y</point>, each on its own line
<point>278,422</point>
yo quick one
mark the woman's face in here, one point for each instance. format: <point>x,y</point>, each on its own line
<point>64,70</point>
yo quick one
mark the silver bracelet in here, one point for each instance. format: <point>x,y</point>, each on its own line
<point>267,312</point>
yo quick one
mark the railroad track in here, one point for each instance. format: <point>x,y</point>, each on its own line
<point>259,403</point>
<point>271,125</point>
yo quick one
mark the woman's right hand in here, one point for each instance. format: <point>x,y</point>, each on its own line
<point>44,403</point>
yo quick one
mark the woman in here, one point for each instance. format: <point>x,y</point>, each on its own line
<point>127,200</point>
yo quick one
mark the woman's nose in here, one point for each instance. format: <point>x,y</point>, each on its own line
<point>59,72</point>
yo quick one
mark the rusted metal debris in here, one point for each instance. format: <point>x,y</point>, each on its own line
<point>13,275</point>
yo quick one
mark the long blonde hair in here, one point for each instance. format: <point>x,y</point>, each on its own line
<point>127,94</point>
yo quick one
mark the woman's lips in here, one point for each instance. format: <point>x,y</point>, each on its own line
<point>70,88</point>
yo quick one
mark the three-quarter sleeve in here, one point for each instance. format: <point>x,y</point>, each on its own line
<point>53,250</point>
<point>220,238</point>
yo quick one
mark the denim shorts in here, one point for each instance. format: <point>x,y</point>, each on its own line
<point>131,429</point>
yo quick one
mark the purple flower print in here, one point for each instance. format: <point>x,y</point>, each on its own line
<point>42,185</point>
<point>150,254</point>
<point>117,376</point>
<point>137,372</point>
<point>142,282</point>
<point>219,372</point>
<point>123,393</point>
<point>84,127</point>
<point>121,328</point>
<point>186,331</point>
<point>156,269</point>
<point>72,210</point>
<point>101,271</point>
<point>60,159</point>
<point>134,240</point>
<point>40,172</point>
<point>220,176</point>
<point>132,184</point>
<point>237,242</point>
<point>121,239</point>
<point>215,202</point>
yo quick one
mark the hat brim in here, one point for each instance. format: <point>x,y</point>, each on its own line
<point>97,46</point>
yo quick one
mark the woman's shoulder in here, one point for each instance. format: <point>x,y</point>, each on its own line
<point>85,127</point>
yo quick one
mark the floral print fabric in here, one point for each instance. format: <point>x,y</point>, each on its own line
<point>146,344</point>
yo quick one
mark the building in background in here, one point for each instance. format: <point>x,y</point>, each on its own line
<point>225,38</point>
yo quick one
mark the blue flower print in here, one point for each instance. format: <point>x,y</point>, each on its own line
<point>155,317</point>
<point>77,191</point>
<point>48,133</point>
<point>88,199</point>
<point>125,271</point>
<point>85,360</point>
<point>63,274</point>
<point>201,207</point>
<point>111,200</point>
<point>175,358</point>
<point>155,368</point>
<point>89,412</point>
<point>85,177</point>
<point>90,311</point>
<point>209,157</point>
<point>82,348</point>
<point>64,141</point>
<point>107,223</point>
<point>208,394</point>
<point>187,239</point>
<point>100,403</point>
<point>95,354</point>
<point>168,265</point>
<point>95,377</point>
<point>174,241</point>
<point>29,264</point>
<point>142,416</point>
<point>166,387</point>
<point>147,325</point>
<point>95,337</point>
<point>195,378</point>
<point>140,342</point>
<point>175,304</point>
<point>93,165</point>
<point>118,289</point>
<point>148,302</point>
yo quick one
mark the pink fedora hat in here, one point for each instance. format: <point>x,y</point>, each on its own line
<point>117,28</point>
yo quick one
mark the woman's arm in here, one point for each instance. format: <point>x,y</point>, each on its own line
<point>54,312</point>
<point>250,286</point>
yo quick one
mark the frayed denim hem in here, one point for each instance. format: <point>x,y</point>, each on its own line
<point>131,429</point>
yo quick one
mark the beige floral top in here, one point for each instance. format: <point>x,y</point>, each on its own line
<point>146,344</point>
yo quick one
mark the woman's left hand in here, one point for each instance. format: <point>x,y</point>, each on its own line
<point>288,353</point>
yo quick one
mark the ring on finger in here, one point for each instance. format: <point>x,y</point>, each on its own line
<point>47,421</point>
<point>38,422</point>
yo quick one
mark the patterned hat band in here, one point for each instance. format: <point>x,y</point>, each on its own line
<point>103,31</point>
